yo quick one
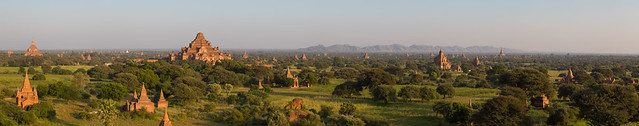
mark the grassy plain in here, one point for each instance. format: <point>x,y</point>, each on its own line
<point>398,113</point>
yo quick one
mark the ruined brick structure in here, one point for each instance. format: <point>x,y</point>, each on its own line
<point>26,96</point>
<point>441,62</point>
<point>568,79</point>
<point>540,101</point>
<point>296,82</point>
<point>200,49</point>
<point>477,62</point>
<point>32,50</point>
<point>140,102</point>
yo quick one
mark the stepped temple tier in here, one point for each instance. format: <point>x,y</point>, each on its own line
<point>32,50</point>
<point>200,49</point>
<point>26,96</point>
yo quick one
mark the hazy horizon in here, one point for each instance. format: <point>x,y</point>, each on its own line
<point>586,26</point>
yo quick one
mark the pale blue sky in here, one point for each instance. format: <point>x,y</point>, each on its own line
<point>594,26</point>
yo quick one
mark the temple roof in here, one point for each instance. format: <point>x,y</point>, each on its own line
<point>143,96</point>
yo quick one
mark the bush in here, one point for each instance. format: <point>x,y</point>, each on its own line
<point>214,88</point>
<point>428,94</point>
<point>409,92</point>
<point>374,121</point>
<point>232,99</point>
<point>43,110</point>
<point>384,93</point>
<point>309,120</point>
<point>61,90</point>
<point>59,70</point>
<point>347,109</point>
<point>39,77</point>
<point>212,97</point>
<point>209,108</point>
<point>326,111</point>
<point>344,120</point>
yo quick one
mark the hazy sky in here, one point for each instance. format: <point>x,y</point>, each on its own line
<point>596,26</point>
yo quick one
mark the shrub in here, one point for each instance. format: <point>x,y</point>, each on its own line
<point>347,89</point>
<point>212,97</point>
<point>309,120</point>
<point>344,120</point>
<point>209,108</point>
<point>374,121</point>
<point>326,111</point>
<point>232,99</point>
<point>347,109</point>
<point>43,110</point>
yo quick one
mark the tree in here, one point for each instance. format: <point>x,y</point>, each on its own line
<point>311,78</point>
<point>416,78</point>
<point>46,68</point>
<point>562,115</point>
<point>454,112</point>
<point>583,78</point>
<point>107,111</point>
<point>347,89</point>
<point>408,92</point>
<point>446,90</point>
<point>347,109</point>
<point>501,111</point>
<point>530,80</point>
<point>129,81</point>
<point>39,76</point>
<point>384,93</point>
<point>607,104</point>
<point>347,73</point>
<point>515,92</point>
<point>214,88</point>
<point>567,90</point>
<point>184,94</point>
<point>220,75</point>
<point>21,70</point>
<point>100,72</point>
<point>375,77</point>
<point>80,79</point>
<point>427,94</point>
<point>147,77</point>
<point>114,91</point>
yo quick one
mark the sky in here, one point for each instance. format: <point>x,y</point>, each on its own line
<point>575,26</point>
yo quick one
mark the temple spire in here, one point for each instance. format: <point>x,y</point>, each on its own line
<point>26,87</point>
<point>143,93</point>
<point>32,41</point>
<point>162,95</point>
<point>165,120</point>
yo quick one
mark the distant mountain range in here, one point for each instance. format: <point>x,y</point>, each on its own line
<point>402,48</point>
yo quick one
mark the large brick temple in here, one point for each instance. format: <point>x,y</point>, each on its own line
<point>200,49</point>
<point>32,50</point>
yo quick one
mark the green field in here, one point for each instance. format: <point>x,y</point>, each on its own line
<point>15,69</point>
<point>399,113</point>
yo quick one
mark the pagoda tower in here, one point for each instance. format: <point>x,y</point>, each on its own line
<point>477,62</point>
<point>366,56</point>
<point>244,55</point>
<point>501,53</point>
<point>140,102</point>
<point>162,103</point>
<point>9,53</point>
<point>569,77</point>
<point>165,120</point>
<point>304,56</point>
<point>26,96</point>
<point>32,50</point>
<point>296,82</point>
